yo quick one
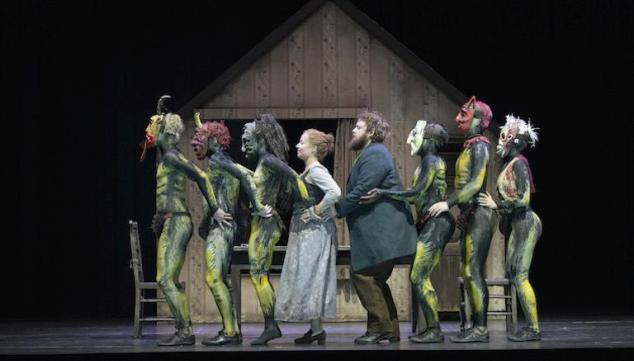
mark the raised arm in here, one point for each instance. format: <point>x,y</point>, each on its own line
<point>245,175</point>
<point>194,173</point>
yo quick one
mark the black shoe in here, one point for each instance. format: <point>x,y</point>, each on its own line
<point>430,335</point>
<point>223,339</point>
<point>474,334</point>
<point>371,338</point>
<point>525,334</point>
<point>308,338</point>
<point>267,335</point>
<point>178,340</point>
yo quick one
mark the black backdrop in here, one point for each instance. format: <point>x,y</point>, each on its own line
<point>80,79</point>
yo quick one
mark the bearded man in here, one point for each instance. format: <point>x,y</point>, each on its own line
<point>380,232</point>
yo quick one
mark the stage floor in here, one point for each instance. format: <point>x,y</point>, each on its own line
<point>90,339</point>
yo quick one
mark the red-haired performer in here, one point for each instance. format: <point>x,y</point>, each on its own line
<point>210,141</point>
<point>308,285</point>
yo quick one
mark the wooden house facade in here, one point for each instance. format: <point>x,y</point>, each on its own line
<point>327,63</point>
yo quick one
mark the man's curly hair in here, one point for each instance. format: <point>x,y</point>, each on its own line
<point>272,134</point>
<point>375,121</point>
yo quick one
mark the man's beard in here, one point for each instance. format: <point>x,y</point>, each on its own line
<point>358,143</point>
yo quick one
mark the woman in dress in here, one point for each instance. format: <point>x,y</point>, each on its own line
<point>308,284</point>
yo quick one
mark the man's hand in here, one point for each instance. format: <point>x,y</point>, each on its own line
<point>485,200</point>
<point>372,196</point>
<point>223,218</point>
<point>264,212</point>
<point>438,208</point>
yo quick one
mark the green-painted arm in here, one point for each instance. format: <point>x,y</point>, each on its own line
<point>423,182</point>
<point>195,174</point>
<point>245,175</point>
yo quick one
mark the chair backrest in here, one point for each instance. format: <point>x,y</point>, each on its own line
<point>136,262</point>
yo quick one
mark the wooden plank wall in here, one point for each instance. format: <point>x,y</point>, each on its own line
<point>327,68</point>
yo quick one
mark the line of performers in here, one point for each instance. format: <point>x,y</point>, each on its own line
<point>376,207</point>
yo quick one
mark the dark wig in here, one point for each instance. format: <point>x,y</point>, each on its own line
<point>271,133</point>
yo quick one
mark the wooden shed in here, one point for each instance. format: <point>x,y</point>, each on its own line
<point>326,63</point>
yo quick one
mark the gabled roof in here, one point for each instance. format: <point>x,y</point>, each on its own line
<point>284,30</point>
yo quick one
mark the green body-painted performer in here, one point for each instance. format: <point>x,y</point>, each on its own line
<point>476,222</point>
<point>429,187</point>
<point>227,178</point>
<point>520,225</point>
<point>172,223</point>
<point>264,140</point>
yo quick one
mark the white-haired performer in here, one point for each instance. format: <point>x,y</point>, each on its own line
<point>520,225</point>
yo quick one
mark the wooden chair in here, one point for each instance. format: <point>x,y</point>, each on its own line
<point>140,285</point>
<point>510,303</point>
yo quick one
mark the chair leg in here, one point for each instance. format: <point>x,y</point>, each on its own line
<point>137,313</point>
<point>509,309</point>
<point>414,310</point>
<point>463,308</point>
<point>514,306</point>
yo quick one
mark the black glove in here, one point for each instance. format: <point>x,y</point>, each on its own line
<point>203,229</point>
<point>157,224</point>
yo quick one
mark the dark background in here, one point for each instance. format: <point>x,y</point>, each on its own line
<point>80,80</point>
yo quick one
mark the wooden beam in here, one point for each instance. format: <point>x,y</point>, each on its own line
<point>275,37</point>
<point>281,113</point>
